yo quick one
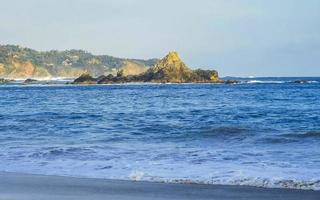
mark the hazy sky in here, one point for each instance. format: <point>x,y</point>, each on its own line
<point>236,37</point>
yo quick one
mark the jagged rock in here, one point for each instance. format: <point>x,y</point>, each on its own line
<point>172,69</point>
<point>169,69</point>
<point>85,78</point>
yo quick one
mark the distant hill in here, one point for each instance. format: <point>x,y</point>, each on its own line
<point>17,62</point>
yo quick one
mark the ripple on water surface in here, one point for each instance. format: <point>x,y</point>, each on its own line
<point>244,134</point>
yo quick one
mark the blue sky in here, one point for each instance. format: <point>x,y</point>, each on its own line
<point>236,37</point>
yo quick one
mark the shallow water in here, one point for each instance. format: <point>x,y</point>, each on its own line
<point>265,134</point>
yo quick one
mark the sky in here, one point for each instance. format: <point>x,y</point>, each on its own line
<point>235,37</point>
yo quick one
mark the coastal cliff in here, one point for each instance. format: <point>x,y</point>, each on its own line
<point>170,69</point>
<point>23,63</point>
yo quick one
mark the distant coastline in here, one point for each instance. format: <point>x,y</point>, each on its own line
<point>17,62</point>
<point>28,66</point>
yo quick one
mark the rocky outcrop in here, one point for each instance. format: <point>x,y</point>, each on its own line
<point>29,80</point>
<point>85,78</point>
<point>170,69</point>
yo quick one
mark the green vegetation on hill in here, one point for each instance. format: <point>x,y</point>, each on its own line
<point>18,62</point>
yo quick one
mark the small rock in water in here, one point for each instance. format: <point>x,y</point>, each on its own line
<point>29,80</point>
<point>300,81</point>
<point>136,175</point>
<point>85,78</point>
<point>231,82</point>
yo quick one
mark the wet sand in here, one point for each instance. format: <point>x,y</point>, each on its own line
<point>15,186</point>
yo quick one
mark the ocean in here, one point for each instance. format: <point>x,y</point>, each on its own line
<point>261,132</point>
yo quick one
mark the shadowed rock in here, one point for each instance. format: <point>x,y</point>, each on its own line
<point>300,81</point>
<point>85,78</point>
<point>231,81</point>
<point>29,80</point>
<point>4,81</point>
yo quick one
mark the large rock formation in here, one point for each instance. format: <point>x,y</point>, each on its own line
<point>23,63</point>
<point>170,69</point>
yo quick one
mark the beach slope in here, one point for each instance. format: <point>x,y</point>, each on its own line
<point>14,186</point>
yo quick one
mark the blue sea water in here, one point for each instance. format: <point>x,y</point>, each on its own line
<point>263,132</point>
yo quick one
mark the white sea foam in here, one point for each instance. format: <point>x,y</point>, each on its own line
<point>136,175</point>
<point>130,166</point>
<point>45,78</point>
<point>264,81</point>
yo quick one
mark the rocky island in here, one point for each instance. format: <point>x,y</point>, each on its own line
<point>170,69</point>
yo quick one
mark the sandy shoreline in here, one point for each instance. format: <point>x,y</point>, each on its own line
<point>15,186</point>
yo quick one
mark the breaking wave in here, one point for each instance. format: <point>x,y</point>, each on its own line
<point>278,82</point>
<point>255,182</point>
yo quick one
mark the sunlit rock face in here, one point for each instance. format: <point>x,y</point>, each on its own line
<point>131,68</point>
<point>172,69</point>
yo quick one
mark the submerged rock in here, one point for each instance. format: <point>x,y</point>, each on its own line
<point>231,81</point>
<point>85,78</point>
<point>300,81</point>
<point>29,80</point>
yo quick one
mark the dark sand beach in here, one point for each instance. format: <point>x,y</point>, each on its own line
<point>15,186</point>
